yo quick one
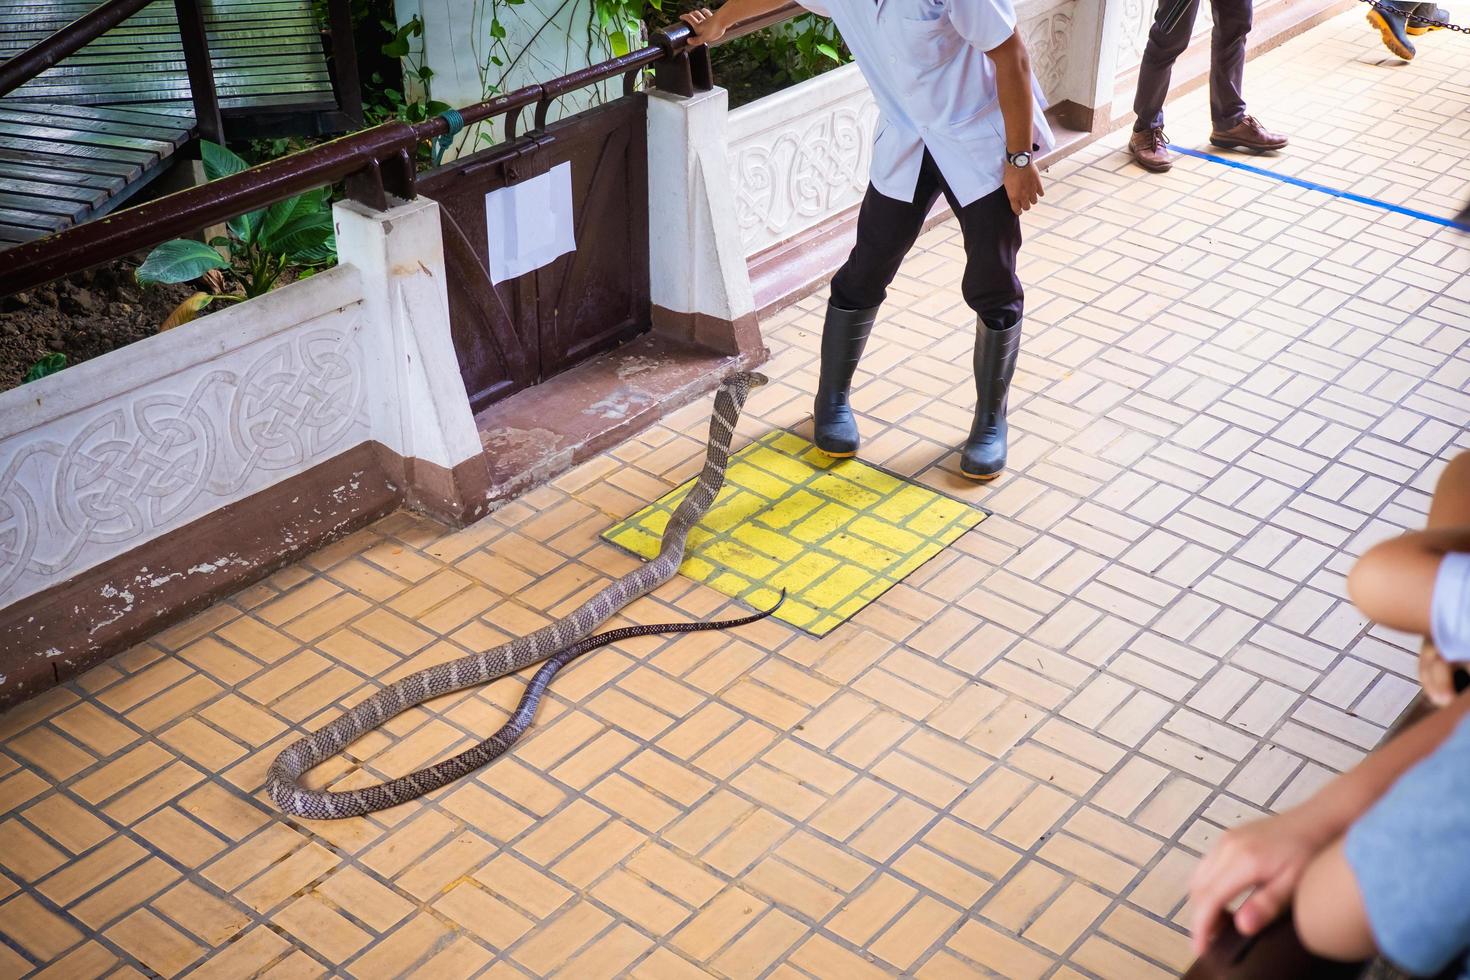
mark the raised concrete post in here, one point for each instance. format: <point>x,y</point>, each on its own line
<point>420,414</point>
<point>700,284</point>
<point>1074,49</point>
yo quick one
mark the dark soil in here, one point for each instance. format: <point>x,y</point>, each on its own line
<point>81,316</point>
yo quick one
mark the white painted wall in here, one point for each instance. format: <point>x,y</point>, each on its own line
<point>113,452</point>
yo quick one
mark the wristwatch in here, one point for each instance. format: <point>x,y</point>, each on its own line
<point>1021,160</point>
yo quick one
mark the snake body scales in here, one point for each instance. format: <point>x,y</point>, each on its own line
<point>562,641</point>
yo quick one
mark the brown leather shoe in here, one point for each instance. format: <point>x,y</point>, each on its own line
<point>1150,150</point>
<point>1248,134</point>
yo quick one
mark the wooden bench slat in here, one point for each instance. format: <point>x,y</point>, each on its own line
<point>83,136</point>
<point>57,164</point>
<point>55,176</point>
<point>27,219</point>
<point>88,196</point>
<point>72,118</point>
<point>43,205</point>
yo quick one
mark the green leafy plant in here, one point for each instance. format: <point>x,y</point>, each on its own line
<point>621,21</point>
<point>49,364</point>
<point>385,103</point>
<point>782,55</point>
<point>261,245</point>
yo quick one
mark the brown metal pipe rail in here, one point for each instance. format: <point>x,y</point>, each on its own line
<point>380,154</point>
<point>70,39</point>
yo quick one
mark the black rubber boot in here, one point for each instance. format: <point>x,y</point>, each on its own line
<point>1390,19</point>
<point>844,336</point>
<point>984,455</point>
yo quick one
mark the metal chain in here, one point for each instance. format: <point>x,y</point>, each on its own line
<point>1416,19</point>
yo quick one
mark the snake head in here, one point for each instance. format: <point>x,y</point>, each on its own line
<point>750,379</point>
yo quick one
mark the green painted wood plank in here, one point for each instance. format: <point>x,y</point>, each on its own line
<point>44,206</point>
<point>26,219</point>
<point>128,33</point>
<point>104,154</point>
<point>88,196</point>
<point>144,94</point>
<point>222,60</point>
<point>101,120</point>
<point>11,170</point>
<point>95,133</point>
<point>58,163</point>
<point>15,236</point>
<point>243,67</point>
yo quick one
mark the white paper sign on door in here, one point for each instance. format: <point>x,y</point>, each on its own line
<point>529,225</point>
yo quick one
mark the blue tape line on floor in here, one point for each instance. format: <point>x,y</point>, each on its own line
<point>1309,185</point>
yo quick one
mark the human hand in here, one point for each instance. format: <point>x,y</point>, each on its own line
<point>1023,186</point>
<point>1266,856</point>
<point>707,27</point>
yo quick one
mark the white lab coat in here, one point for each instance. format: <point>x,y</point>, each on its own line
<point>925,62</point>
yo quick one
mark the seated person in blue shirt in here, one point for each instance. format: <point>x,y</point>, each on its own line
<point>960,114</point>
<point>1378,860</point>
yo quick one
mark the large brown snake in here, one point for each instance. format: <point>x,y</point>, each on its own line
<point>283,781</point>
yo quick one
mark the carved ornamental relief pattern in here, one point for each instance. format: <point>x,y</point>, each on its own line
<point>1138,18</point>
<point>90,486</point>
<point>1047,38</point>
<point>790,177</point>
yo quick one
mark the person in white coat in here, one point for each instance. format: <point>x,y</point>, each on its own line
<point>960,115</point>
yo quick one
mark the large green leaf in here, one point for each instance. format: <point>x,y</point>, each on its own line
<point>321,255</point>
<point>302,233</point>
<point>179,261</point>
<point>221,162</point>
<point>246,226</point>
<point>218,161</point>
<point>282,213</point>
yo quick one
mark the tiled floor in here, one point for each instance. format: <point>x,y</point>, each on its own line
<point>1009,763</point>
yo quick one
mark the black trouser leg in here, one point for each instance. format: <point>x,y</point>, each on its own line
<point>1167,40</point>
<point>992,233</point>
<point>886,230</point>
<point>1227,62</point>
<point>993,290</point>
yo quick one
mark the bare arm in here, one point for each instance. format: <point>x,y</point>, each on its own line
<point>1392,583</point>
<point>1013,86</point>
<point>1270,857</point>
<point>710,27</point>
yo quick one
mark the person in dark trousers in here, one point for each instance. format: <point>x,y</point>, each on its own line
<point>960,115</point>
<point>1233,129</point>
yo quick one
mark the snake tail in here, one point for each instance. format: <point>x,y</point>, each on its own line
<point>283,780</point>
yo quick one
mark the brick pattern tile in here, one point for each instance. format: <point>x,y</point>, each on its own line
<point>1008,764</point>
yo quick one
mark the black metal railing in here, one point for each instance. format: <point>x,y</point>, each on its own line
<point>377,163</point>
